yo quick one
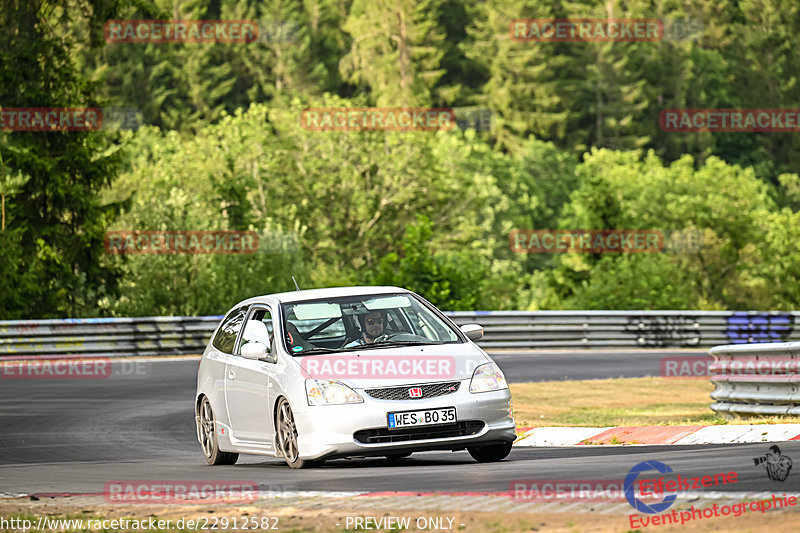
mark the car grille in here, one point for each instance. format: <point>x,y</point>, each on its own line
<point>380,435</point>
<point>430,390</point>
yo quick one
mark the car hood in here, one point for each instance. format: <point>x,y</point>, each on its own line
<point>396,366</point>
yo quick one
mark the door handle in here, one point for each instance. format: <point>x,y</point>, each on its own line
<point>231,374</point>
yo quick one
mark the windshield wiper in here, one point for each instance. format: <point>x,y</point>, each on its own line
<point>316,350</point>
<point>372,346</point>
<point>389,344</point>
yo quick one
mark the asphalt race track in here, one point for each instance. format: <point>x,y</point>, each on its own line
<point>73,436</point>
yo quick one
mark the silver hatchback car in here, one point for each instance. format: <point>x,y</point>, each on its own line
<point>348,372</point>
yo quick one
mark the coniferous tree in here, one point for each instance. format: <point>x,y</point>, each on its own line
<point>396,50</point>
<point>55,222</point>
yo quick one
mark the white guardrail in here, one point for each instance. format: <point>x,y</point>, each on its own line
<point>503,329</point>
<point>756,380</point>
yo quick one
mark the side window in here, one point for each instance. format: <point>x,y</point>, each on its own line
<point>226,336</point>
<point>259,328</point>
<point>432,329</point>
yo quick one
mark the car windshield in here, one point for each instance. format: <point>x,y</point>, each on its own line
<point>362,322</point>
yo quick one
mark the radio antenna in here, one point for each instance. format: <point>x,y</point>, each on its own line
<point>295,283</point>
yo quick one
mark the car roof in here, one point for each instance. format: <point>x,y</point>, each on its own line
<point>313,294</point>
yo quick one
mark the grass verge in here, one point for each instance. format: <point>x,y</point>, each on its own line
<point>647,401</point>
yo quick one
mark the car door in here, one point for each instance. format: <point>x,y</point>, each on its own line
<point>217,358</point>
<point>249,383</point>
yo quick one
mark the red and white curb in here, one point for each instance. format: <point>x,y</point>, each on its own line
<point>649,435</point>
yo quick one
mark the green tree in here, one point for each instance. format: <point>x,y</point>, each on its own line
<point>53,239</point>
<point>727,203</point>
<point>239,174</point>
<point>205,181</point>
<point>396,50</point>
<point>452,281</point>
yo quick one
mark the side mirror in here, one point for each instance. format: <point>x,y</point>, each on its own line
<point>254,350</point>
<point>472,331</point>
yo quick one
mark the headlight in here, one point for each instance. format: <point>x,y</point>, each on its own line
<point>487,377</point>
<point>330,392</point>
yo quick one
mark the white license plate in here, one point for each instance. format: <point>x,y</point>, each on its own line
<point>424,417</point>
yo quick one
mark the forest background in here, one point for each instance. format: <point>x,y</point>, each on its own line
<point>573,142</point>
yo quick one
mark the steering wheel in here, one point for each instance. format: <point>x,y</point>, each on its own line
<point>347,341</point>
<point>384,337</point>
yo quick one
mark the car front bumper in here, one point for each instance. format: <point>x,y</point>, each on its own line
<point>328,431</point>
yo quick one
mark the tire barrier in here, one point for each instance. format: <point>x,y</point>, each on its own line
<point>503,329</point>
<point>756,379</point>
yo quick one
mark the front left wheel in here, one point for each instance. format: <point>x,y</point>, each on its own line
<point>491,453</point>
<point>397,456</point>
<point>208,438</point>
<point>287,438</point>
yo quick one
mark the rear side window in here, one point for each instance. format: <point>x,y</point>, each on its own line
<point>226,336</point>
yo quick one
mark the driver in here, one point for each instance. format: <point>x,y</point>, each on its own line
<point>371,328</point>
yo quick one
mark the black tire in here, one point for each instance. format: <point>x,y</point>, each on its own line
<point>208,438</point>
<point>287,438</point>
<point>491,453</point>
<point>396,456</point>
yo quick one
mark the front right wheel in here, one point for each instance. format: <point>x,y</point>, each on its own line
<point>491,453</point>
<point>287,438</point>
